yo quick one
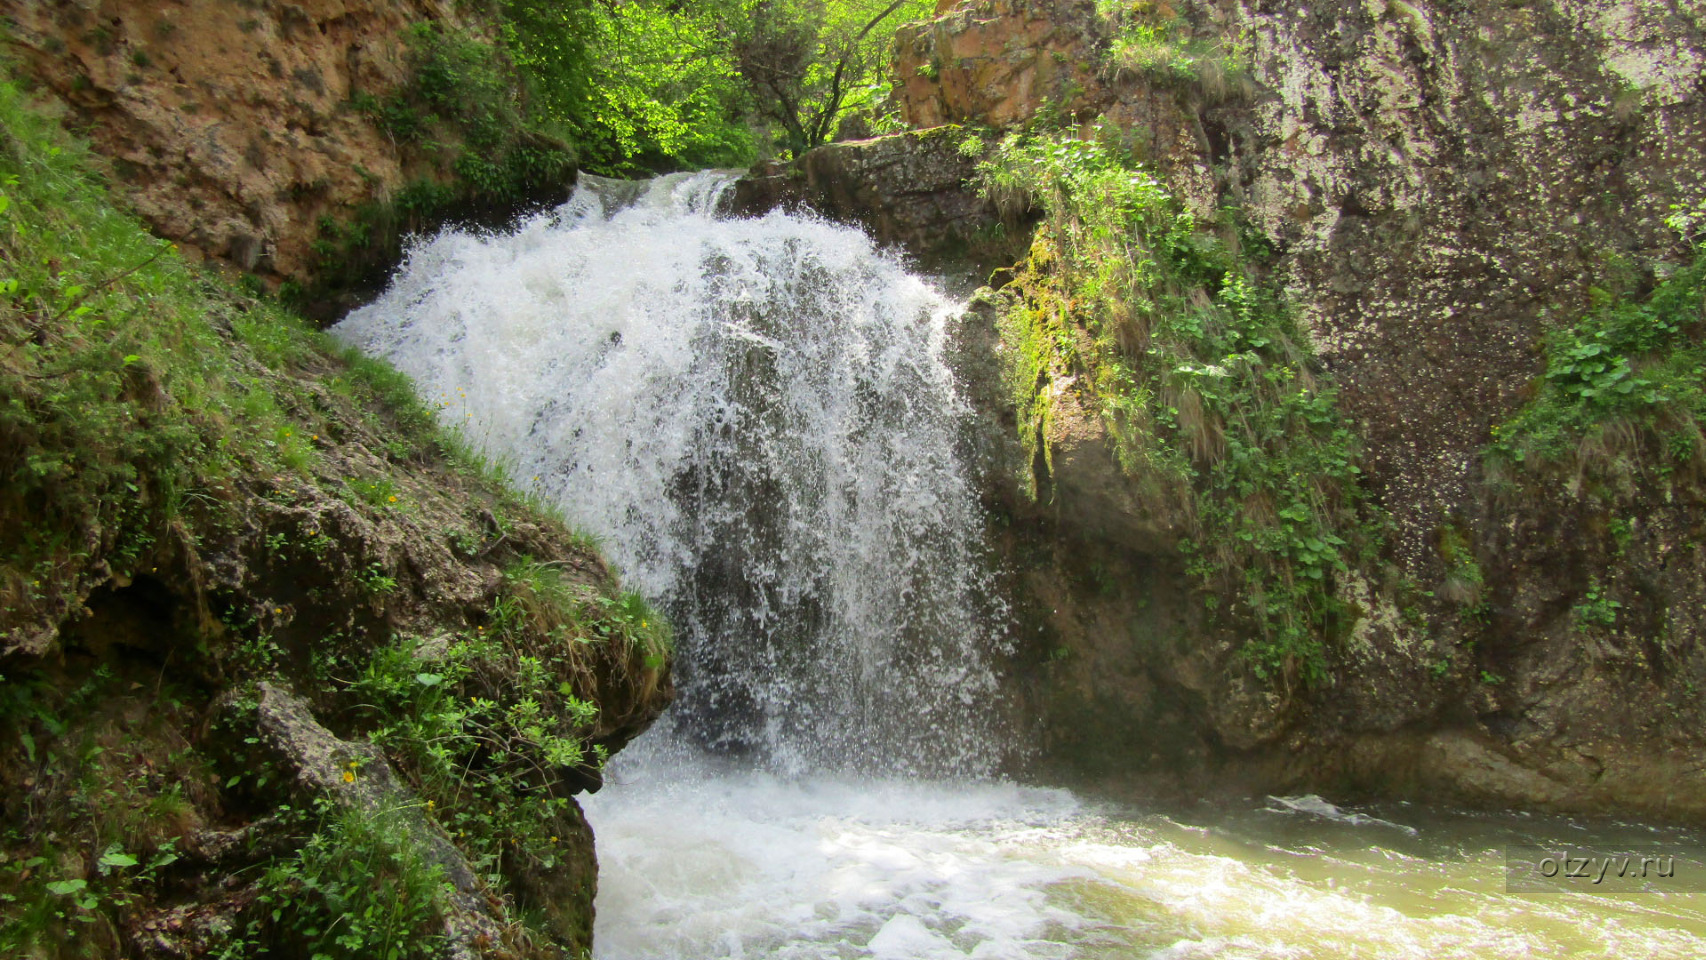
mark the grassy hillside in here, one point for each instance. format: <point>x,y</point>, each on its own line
<point>285,669</point>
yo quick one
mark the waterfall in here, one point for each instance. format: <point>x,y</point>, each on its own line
<point>756,419</point>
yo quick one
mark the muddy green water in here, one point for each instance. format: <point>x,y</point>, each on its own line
<point>740,864</point>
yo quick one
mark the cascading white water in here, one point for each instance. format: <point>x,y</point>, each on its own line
<point>756,418</point>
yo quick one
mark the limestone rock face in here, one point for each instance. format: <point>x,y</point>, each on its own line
<point>1436,177</point>
<point>998,62</point>
<point>228,125</point>
<point>1441,184</point>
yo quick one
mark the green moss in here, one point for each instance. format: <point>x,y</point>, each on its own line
<point>1465,581</point>
<point>1206,387</point>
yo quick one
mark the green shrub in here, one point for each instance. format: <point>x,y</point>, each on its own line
<point>1201,377</point>
<point>1624,391</point>
<point>359,888</point>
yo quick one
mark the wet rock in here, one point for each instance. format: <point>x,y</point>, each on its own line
<point>911,189</point>
<point>1475,770</point>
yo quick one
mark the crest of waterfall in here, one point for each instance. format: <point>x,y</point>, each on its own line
<point>756,418</point>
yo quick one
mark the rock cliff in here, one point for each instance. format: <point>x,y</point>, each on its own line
<point>229,125</point>
<point>1440,186</point>
<point>298,142</point>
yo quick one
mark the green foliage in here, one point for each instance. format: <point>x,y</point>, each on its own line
<point>120,404</point>
<point>643,85</point>
<point>1156,43</point>
<point>461,97</point>
<point>809,63</point>
<point>378,492</point>
<point>359,888</point>
<point>461,109</point>
<point>375,582</point>
<point>492,724</point>
<point>615,88</point>
<point>1200,376</point>
<point>58,913</point>
<point>1621,531</point>
<point>1689,221</point>
<point>1597,608</point>
<point>1625,387</point>
<point>91,841</point>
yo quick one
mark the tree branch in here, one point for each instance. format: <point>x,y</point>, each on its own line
<point>820,128</point>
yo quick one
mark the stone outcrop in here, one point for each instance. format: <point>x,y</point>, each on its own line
<point>912,189</point>
<point>999,63</point>
<point>229,126</point>
<point>1441,184</point>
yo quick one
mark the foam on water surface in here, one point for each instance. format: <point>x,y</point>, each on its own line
<point>698,864</point>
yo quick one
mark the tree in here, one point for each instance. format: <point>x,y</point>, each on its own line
<point>642,85</point>
<point>807,63</point>
<point>636,84</point>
